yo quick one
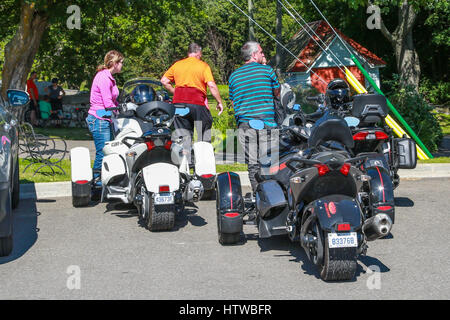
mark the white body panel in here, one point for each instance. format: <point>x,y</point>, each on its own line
<point>80,164</point>
<point>114,146</point>
<point>128,128</point>
<point>112,165</point>
<point>205,162</point>
<point>161,174</point>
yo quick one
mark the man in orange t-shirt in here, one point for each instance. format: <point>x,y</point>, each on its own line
<point>34,97</point>
<point>191,77</point>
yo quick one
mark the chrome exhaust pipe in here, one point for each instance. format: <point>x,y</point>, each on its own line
<point>377,226</point>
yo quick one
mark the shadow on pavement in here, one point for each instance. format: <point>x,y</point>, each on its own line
<point>25,231</point>
<point>403,202</point>
<point>371,261</point>
<point>188,215</point>
<point>299,255</point>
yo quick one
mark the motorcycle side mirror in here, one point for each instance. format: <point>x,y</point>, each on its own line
<point>352,121</point>
<point>256,124</point>
<point>131,106</point>
<point>182,111</point>
<point>17,98</point>
<point>321,98</point>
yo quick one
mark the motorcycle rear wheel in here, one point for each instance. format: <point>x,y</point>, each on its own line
<point>159,218</point>
<point>338,264</point>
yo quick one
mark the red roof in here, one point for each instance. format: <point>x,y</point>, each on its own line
<point>311,51</point>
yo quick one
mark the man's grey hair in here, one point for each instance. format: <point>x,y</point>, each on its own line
<point>194,48</point>
<point>248,49</point>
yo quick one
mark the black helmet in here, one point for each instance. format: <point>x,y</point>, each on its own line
<point>143,93</point>
<point>338,92</point>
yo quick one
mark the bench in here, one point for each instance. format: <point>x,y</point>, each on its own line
<point>38,148</point>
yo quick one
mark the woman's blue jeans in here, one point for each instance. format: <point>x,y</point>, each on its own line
<point>101,132</point>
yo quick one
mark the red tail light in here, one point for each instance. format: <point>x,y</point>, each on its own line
<point>168,144</point>
<point>207,176</point>
<point>363,135</point>
<point>345,169</point>
<point>164,189</point>
<point>360,136</point>
<point>381,135</point>
<point>322,168</point>
<point>81,181</point>
<point>150,145</point>
<point>231,214</point>
<point>343,227</point>
<point>384,208</point>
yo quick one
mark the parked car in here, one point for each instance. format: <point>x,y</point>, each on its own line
<point>10,112</point>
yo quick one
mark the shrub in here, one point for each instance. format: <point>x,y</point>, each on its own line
<point>222,123</point>
<point>417,113</point>
<point>437,93</point>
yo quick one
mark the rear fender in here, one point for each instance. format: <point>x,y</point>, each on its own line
<point>205,161</point>
<point>230,203</point>
<point>161,174</point>
<point>229,193</point>
<point>381,191</point>
<point>335,209</point>
<point>81,172</point>
<point>80,164</point>
<point>205,164</point>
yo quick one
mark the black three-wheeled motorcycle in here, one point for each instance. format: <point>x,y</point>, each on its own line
<point>321,195</point>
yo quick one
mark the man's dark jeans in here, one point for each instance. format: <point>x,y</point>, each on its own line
<point>257,144</point>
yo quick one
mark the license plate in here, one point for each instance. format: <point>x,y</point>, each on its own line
<point>164,199</point>
<point>342,240</point>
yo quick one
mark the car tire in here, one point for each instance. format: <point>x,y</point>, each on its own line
<point>6,243</point>
<point>6,246</point>
<point>16,187</point>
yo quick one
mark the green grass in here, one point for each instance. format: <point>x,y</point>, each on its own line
<point>65,133</point>
<point>436,160</point>
<point>223,90</point>
<point>444,122</point>
<point>45,174</point>
<point>231,167</point>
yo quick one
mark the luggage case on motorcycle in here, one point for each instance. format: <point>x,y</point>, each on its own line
<point>369,108</point>
<point>406,153</point>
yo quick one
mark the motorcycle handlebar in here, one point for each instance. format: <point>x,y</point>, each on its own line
<point>301,160</point>
<point>132,138</point>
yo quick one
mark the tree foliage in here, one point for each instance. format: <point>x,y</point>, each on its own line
<point>154,33</point>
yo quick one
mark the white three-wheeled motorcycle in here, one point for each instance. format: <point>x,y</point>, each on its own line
<point>145,164</point>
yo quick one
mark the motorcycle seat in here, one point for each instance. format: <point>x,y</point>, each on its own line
<point>332,129</point>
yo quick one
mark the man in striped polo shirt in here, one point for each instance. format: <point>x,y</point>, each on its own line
<point>253,88</point>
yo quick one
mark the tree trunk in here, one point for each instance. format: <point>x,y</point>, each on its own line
<point>401,39</point>
<point>251,28</point>
<point>21,50</point>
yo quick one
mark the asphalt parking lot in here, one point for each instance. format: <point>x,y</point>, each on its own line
<point>101,252</point>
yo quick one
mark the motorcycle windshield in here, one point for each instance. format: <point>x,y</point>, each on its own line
<point>133,88</point>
